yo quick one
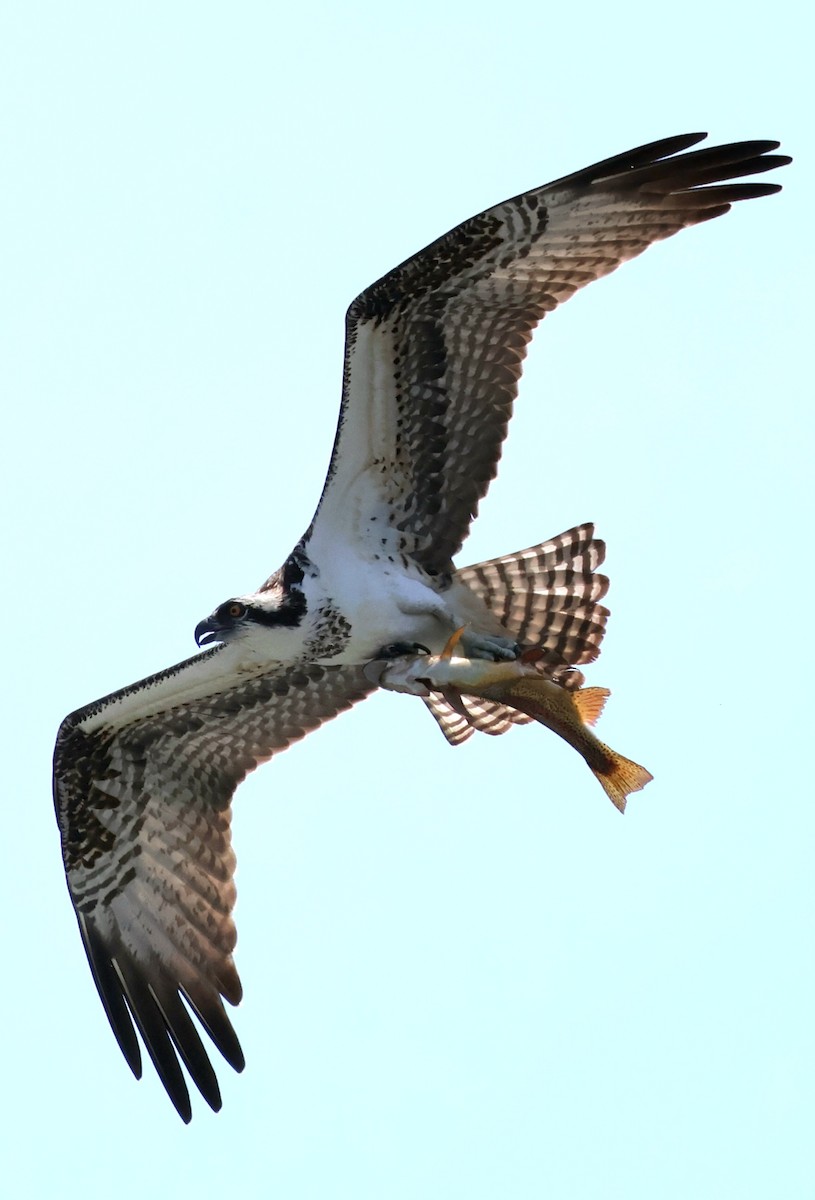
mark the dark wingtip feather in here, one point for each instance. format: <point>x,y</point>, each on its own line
<point>662,167</point>
<point>209,1009</point>
<point>768,162</point>
<point>744,191</point>
<point>188,1044</point>
<point>639,156</point>
<point>164,1023</point>
<point>153,1028</point>
<point>110,993</point>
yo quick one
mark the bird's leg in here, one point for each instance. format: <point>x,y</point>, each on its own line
<point>419,600</point>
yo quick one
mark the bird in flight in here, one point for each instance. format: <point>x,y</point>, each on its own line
<point>144,778</point>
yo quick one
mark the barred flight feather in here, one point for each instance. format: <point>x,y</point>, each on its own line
<point>142,789</point>
<point>455,321</point>
<point>546,597</point>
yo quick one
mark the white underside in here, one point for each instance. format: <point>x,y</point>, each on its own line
<point>357,547</point>
<point>388,602</point>
<point>381,602</point>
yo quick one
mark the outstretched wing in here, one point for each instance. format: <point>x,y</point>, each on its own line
<point>434,350</point>
<point>143,783</point>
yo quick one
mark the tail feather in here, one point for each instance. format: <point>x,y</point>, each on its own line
<point>577,548</point>
<point>454,725</point>
<point>489,716</point>
<point>546,597</point>
<point>459,720</point>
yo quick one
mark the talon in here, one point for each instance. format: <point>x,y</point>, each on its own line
<point>399,649</point>
<point>489,646</point>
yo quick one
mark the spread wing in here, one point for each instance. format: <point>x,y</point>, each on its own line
<point>143,783</point>
<point>434,350</point>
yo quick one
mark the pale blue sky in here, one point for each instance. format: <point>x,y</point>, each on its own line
<point>465,974</point>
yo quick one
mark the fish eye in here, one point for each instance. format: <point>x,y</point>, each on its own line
<point>234,610</point>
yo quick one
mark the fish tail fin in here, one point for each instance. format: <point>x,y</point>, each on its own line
<point>590,703</point>
<point>621,777</point>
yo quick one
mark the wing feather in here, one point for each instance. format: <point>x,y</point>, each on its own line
<point>434,349</point>
<point>143,782</point>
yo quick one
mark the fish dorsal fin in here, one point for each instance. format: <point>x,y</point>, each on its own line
<point>590,702</point>
<point>452,642</point>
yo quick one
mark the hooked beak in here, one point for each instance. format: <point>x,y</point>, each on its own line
<point>207,632</point>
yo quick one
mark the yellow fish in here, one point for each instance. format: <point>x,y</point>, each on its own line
<point>520,686</point>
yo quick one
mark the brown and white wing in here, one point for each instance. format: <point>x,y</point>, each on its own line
<point>143,784</point>
<point>434,350</point>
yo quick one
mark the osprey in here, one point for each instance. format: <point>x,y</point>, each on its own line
<point>144,778</point>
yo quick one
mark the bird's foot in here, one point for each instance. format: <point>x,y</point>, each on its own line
<point>400,649</point>
<point>396,668</point>
<point>490,646</point>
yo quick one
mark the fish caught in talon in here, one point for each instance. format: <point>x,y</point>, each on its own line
<point>520,685</point>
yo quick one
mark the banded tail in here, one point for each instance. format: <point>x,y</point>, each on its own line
<point>546,597</point>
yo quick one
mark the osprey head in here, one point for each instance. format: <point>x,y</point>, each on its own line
<point>228,620</point>
<point>243,615</point>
